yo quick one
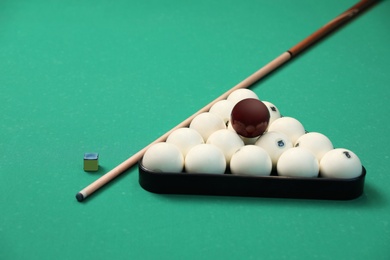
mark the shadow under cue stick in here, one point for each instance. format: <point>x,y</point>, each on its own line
<point>267,69</point>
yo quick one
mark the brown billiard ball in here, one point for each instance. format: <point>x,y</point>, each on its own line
<point>250,117</point>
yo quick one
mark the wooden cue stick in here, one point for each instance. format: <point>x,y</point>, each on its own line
<point>267,69</point>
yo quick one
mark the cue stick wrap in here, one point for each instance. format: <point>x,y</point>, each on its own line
<point>331,26</point>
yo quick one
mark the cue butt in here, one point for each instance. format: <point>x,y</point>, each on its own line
<point>331,26</point>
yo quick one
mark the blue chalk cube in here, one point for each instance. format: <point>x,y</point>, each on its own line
<point>91,162</point>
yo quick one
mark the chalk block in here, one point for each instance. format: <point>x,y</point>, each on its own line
<point>91,162</point>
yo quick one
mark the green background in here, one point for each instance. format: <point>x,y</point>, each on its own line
<point>112,76</point>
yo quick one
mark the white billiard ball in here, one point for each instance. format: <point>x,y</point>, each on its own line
<point>289,126</point>
<point>274,112</point>
<point>223,108</point>
<point>249,140</point>
<point>230,127</point>
<point>240,94</point>
<point>185,138</point>
<point>251,160</point>
<point>340,163</point>
<point>207,123</point>
<point>228,141</point>
<point>298,162</point>
<point>246,140</point>
<point>318,143</point>
<point>205,158</point>
<point>275,143</point>
<point>163,157</point>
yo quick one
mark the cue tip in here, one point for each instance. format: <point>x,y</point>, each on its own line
<point>80,197</point>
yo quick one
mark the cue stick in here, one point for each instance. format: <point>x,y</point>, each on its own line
<point>261,73</point>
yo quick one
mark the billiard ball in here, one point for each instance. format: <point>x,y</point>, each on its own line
<point>228,141</point>
<point>207,123</point>
<point>230,127</point>
<point>340,163</point>
<point>250,117</point>
<point>318,143</point>
<point>185,138</point>
<point>223,108</point>
<point>274,112</point>
<point>289,126</point>
<point>205,158</point>
<point>251,160</point>
<point>249,140</point>
<point>275,143</point>
<point>246,140</point>
<point>298,162</point>
<point>240,94</point>
<point>163,157</point>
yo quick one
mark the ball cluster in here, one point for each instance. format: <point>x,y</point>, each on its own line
<point>242,135</point>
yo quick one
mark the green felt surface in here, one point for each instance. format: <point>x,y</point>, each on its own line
<point>112,76</point>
